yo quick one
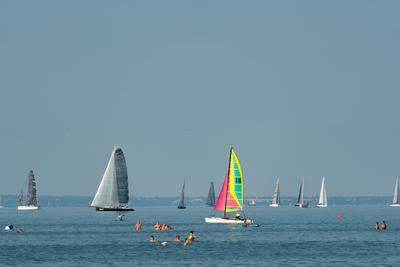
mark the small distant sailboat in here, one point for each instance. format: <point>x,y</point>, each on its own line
<point>301,203</point>
<point>232,194</point>
<point>1,203</point>
<point>276,199</point>
<point>252,203</point>
<point>113,192</point>
<point>396,200</point>
<point>31,195</point>
<point>323,199</point>
<point>181,204</point>
<point>211,196</point>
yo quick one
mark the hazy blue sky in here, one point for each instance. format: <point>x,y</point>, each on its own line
<point>297,87</point>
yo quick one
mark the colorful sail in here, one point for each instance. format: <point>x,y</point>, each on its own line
<point>232,193</point>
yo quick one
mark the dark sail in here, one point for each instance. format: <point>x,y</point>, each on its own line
<point>211,196</point>
<point>32,200</point>
<point>122,177</point>
<point>181,204</point>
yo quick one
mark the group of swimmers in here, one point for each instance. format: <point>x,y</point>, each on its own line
<point>188,240</point>
<point>380,226</point>
<point>161,227</point>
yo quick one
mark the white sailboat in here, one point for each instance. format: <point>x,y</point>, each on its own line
<point>301,203</point>
<point>396,200</point>
<point>113,193</point>
<point>32,198</point>
<point>276,199</point>
<point>323,199</point>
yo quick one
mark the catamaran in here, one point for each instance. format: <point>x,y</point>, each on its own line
<point>211,196</point>
<point>31,195</point>
<point>232,194</point>
<point>323,199</point>
<point>396,200</point>
<point>113,192</point>
<point>301,202</point>
<point>181,204</point>
<point>276,199</point>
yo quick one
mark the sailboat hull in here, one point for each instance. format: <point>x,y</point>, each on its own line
<point>27,207</point>
<point>301,205</point>
<point>181,207</point>
<point>321,206</point>
<point>113,209</point>
<point>223,221</point>
<point>274,205</point>
<point>394,205</point>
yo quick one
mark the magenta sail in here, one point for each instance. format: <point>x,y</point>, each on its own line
<point>222,196</point>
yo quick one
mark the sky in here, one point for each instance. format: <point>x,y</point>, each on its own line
<point>298,88</point>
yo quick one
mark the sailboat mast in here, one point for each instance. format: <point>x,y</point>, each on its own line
<point>227,182</point>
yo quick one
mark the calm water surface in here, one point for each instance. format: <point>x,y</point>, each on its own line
<point>287,236</point>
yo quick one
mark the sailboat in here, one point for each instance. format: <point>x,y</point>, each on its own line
<point>31,195</point>
<point>276,199</point>
<point>211,196</point>
<point>301,203</point>
<point>396,200</point>
<point>181,204</point>
<point>232,194</point>
<point>1,203</point>
<point>113,192</point>
<point>323,200</point>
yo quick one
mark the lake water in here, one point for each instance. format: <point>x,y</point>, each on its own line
<point>287,236</point>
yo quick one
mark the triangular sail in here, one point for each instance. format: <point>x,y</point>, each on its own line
<point>232,193</point>
<point>300,199</point>
<point>276,199</point>
<point>211,196</point>
<point>32,199</point>
<point>182,197</point>
<point>113,189</point>
<point>323,200</point>
<point>396,192</point>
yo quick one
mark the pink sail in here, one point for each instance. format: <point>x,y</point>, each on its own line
<point>222,195</point>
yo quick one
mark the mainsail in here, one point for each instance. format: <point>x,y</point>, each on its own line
<point>32,199</point>
<point>300,199</point>
<point>211,196</point>
<point>113,189</point>
<point>181,204</point>
<point>232,193</point>
<point>396,192</point>
<point>276,199</point>
<point>323,200</point>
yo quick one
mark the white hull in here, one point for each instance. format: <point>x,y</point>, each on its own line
<point>28,207</point>
<point>274,205</point>
<point>223,221</point>
<point>321,206</point>
<point>394,205</point>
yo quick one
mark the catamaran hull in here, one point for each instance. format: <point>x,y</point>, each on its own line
<point>181,208</point>
<point>394,205</point>
<point>321,206</point>
<point>29,207</point>
<point>224,221</point>
<point>113,209</point>
<point>274,205</point>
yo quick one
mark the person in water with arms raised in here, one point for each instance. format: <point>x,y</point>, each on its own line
<point>138,225</point>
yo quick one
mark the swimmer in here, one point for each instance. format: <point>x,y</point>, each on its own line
<point>191,237</point>
<point>20,231</point>
<point>383,226</point>
<point>152,239</point>
<point>376,226</point>
<point>157,226</point>
<point>138,225</point>
<point>177,239</point>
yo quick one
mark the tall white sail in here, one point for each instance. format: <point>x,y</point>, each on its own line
<point>323,199</point>
<point>113,190</point>
<point>396,200</point>
<point>276,199</point>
